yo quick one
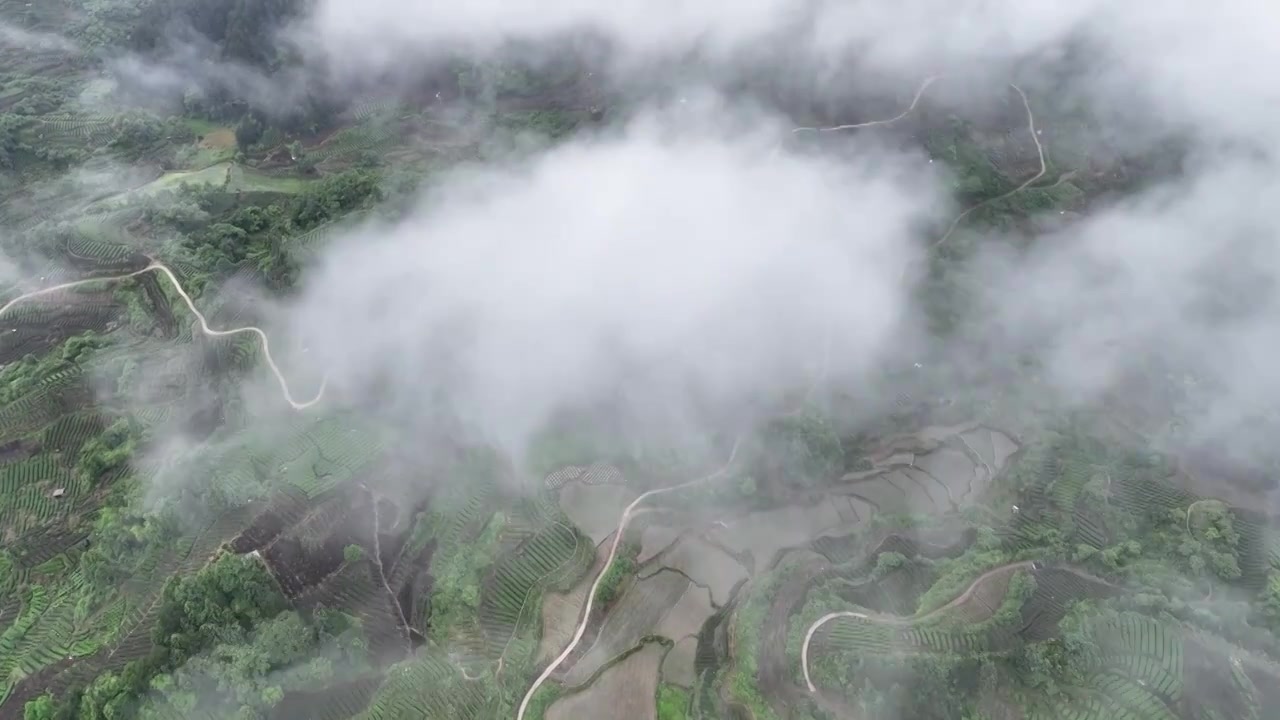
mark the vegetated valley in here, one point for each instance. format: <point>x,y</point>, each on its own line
<point>197,522</point>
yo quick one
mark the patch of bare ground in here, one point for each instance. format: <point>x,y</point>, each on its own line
<point>595,508</point>
<point>916,487</point>
<point>654,539</point>
<point>638,613</point>
<point>765,534</point>
<point>984,599</point>
<point>560,611</point>
<point>706,565</point>
<point>625,690</point>
<point>881,494</point>
<point>953,470</point>
<point>852,510</point>
<point>687,615</point>
<point>20,449</point>
<point>678,665</point>
<point>220,139</point>
<point>1004,448</point>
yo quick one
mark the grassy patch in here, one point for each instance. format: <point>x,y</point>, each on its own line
<point>622,567</point>
<point>747,627</point>
<point>956,575</point>
<point>458,569</point>
<point>223,138</point>
<point>542,700</point>
<point>673,703</point>
<point>225,175</point>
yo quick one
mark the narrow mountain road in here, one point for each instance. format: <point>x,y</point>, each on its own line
<point>1035,137</point>
<point>889,121</point>
<point>613,551</point>
<point>204,323</point>
<point>898,621</point>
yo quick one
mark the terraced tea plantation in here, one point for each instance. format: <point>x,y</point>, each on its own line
<point>952,568</point>
<point>198,519</point>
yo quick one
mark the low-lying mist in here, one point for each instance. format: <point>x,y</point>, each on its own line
<point>667,260</point>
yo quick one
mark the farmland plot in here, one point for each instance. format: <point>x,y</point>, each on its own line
<point>625,690</point>
<point>595,508</point>
<point>707,565</point>
<point>560,611</point>
<point>677,666</point>
<point>637,614</point>
<point>765,534</point>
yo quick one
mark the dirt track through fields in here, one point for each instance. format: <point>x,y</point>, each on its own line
<point>613,551</point>
<point>1031,123</point>
<point>627,513</point>
<point>898,621</point>
<point>204,324</point>
<point>910,109</point>
<point>955,223</point>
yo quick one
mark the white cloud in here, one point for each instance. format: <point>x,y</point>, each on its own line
<point>667,257</point>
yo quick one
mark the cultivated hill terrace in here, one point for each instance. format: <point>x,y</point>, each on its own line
<point>962,549</point>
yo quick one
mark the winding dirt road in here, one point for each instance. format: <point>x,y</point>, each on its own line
<point>1031,123</point>
<point>910,109</point>
<point>898,621</point>
<point>613,551</point>
<point>204,324</point>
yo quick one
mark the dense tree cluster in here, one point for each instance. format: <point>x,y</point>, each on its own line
<point>242,30</point>
<point>229,615</point>
<point>108,451</point>
<point>19,378</point>
<point>257,233</point>
<point>800,451</point>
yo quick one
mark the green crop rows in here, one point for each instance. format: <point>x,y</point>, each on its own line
<point>372,136</point>
<point>547,552</point>
<point>431,688</point>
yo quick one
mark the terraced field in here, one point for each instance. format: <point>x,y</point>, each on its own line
<point>639,613</point>
<point>1067,575</point>
<point>626,689</point>
<point>709,566</point>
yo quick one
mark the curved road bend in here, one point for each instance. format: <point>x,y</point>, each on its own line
<point>888,620</point>
<point>613,550</point>
<point>1035,137</point>
<point>910,108</point>
<point>204,323</point>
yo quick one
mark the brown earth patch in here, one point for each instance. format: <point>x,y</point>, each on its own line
<point>220,139</point>
<point>707,565</point>
<point>637,614</point>
<point>678,665</point>
<point>625,690</point>
<point>561,611</point>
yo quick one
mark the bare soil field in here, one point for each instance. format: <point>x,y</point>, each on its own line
<point>560,611</point>
<point>220,139</point>
<point>919,499</point>
<point>984,599</point>
<point>654,539</point>
<point>882,494</point>
<point>638,613</point>
<point>852,510</point>
<point>626,690</point>
<point>765,534</point>
<point>993,446</point>
<point>706,565</point>
<point>955,470</point>
<point>687,616</point>
<point>678,666</point>
<point>595,508</point>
